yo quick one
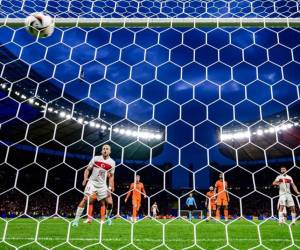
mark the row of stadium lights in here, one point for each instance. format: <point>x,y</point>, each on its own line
<point>260,132</point>
<point>62,114</point>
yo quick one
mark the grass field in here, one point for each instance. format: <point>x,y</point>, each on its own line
<point>147,234</point>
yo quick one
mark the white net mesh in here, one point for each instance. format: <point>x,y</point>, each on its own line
<point>178,105</point>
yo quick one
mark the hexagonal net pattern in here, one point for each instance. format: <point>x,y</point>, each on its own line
<point>178,105</point>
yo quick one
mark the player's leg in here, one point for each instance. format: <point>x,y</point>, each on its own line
<point>282,204</point>
<point>190,213</point>
<point>226,212</point>
<point>102,197</point>
<point>225,207</point>
<point>90,208</point>
<point>291,204</point>
<point>79,211</point>
<point>293,214</point>
<point>102,212</point>
<point>219,204</point>
<point>134,209</point>
<point>280,214</point>
<point>109,206</point>
<point>80,208</point>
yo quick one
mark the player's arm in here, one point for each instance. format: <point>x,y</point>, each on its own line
<point>187,202</point>
<point>86,175</point>
<point>129,192</point>
<point>194,202</point>
<point>227,194</point>
<point>295,188</point>
<point>206,201</point>
<point>111,182</point>
<point>276,182</point>
<point>144,191</point>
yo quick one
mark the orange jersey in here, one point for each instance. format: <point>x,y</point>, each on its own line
<point>221,186</point>
<point>137,190</point>
<point>211,197</point>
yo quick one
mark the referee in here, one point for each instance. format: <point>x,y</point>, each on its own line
<point>191,204</point>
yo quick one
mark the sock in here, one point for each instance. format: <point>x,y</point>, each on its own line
<point>293,217</point>
<point>280,217</point>
<point>226,214</point>
<point>218,214</point>
<point>102,212</point>
<point>79,212</point>
<point>90,211</point>
<point>134,213</point>
<point>108,210</point>
<point>190,215</point>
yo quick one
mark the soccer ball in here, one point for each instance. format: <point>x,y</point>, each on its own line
<point>39,24</point>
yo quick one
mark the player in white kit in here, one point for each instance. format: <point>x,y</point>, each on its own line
<point>285,182</point>
<point>102,167</point>
<point>154,209</point>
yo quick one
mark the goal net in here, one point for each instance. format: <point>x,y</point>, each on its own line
<point>184,91</point>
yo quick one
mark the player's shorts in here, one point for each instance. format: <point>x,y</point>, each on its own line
<point>136,202</point>
<point>191,208</point>
<point>286,200</point>
<point>213,206</point>
<point>101,193</point>
<point>222,200</point>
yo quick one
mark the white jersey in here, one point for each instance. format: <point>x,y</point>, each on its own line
<point>154,209</point>
<point>285,184</point>
<point>100,168</point>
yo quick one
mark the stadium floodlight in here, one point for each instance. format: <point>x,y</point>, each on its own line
<point>122,131</point>
<point>158,136</point>
<point>116,130</point>
<point>92,124</point>
<point>271,130</point>
<point>62,114</point>
<point>17,93</point>
<point>103,127</point>
<point>31,101</point>
<point>68,116</point>
<point>128,132</point>
<point>283,127</point>
<point>23,97</point>
<point>80,120</point>
<point>50,110</point>
<point>259,132</point>
<point>3,86</point>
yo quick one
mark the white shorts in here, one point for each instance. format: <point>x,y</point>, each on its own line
<point>286,200</point>
<point>101,192</point>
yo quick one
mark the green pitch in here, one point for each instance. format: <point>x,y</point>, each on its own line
<point>147,234</point>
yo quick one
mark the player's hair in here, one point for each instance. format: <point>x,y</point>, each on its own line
<point>107,146</point>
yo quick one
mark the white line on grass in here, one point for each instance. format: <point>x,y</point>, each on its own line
<point>141,240</point>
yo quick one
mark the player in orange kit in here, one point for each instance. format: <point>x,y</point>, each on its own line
<point>210,203</point>
<point>137,189</point>
<point>222,197</point>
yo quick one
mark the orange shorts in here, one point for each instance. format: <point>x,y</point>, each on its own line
<point>136,202</point>
<point>222,200</point>
<point>213,206</point>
